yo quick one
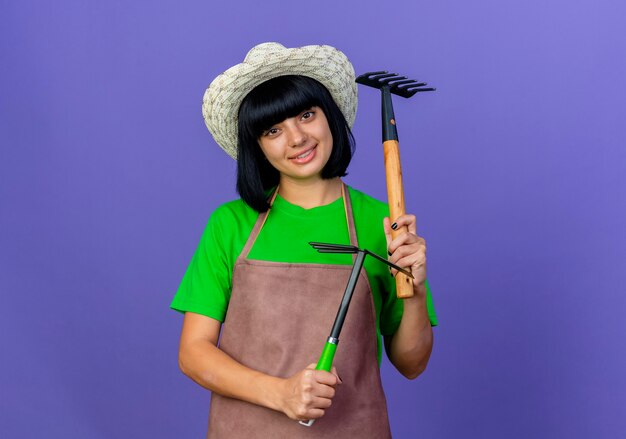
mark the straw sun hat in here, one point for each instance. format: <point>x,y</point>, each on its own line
<point>325,64</point>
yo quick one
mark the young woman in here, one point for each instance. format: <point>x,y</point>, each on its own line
<point>285,116</point>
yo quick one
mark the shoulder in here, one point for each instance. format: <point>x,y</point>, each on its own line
<point>229,224</point>
<point>233,211</point>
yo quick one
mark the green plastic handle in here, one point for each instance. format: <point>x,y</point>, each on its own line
<point>325,363</point>
<point>326,359</point>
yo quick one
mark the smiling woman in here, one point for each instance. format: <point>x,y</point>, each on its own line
<point>285,115</point>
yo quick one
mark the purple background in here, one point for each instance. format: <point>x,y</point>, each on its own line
<point>515,167</point>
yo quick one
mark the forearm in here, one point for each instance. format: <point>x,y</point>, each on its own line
<point>304,395</point>
<point>410,347</point>
<point>213,369</point>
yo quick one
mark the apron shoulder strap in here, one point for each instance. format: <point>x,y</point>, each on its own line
<point>347,204</point>
<point>258,225</point>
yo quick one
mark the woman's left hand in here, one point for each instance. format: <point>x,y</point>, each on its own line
<point>408,250</point>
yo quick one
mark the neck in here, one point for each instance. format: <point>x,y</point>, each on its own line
<point>309,194</point>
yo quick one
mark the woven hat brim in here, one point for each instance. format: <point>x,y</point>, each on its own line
<point>224,95</point>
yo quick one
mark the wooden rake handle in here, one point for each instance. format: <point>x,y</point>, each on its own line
<point>395,195</point>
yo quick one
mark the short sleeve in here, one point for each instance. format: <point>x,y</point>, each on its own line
<point>206,285</point>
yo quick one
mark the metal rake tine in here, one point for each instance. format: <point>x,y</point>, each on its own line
<point>328,244</point>
<point>377,79</point>
<point>424,89</point>
<point>393,80</point>
<point>384,79</point>
<point>407,90</point>
<point>319,246</point>
<point>415,84</point>
<point>419,86</point>
<point>402,270</point>
<point>399,83</point>
<point>338,251</point>
<point>335,249</point>
<point>410,92</point>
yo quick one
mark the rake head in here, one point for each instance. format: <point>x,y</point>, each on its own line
<point>398,85</point>
<point>324,247</point>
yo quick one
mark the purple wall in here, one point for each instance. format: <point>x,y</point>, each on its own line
<point>515,167</point>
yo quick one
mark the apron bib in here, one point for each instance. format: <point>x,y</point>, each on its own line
<point>278,320</point>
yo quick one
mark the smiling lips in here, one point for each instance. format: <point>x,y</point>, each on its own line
<point>304,157</point>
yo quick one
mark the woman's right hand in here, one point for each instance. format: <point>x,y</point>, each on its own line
<point>307,394</point>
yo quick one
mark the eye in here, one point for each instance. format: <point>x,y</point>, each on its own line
<point>270,132</point>
<point>307,114</point>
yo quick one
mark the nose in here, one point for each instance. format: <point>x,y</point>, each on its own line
<point>297,136</point>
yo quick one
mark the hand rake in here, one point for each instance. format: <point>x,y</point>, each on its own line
<point>391,83</point>
<point>330,347</point>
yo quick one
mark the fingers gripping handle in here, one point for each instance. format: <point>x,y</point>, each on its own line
<point>325,363</point>
<point>395,195</point>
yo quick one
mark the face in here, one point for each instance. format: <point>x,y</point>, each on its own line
<point>299,147</point>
